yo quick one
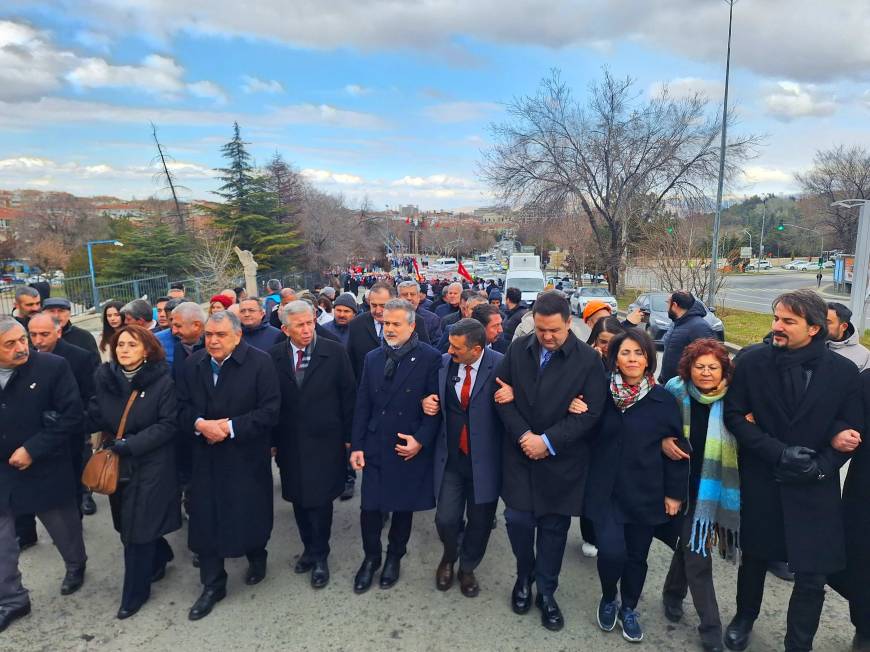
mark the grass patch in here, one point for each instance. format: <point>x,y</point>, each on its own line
<point>624,298</point>
<point>743,327</point>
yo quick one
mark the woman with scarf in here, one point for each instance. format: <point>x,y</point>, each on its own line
<point>632,485</point>
<point>146,505</point>
<point>711,518</point>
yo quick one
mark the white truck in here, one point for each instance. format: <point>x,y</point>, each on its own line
<point>524,273</point>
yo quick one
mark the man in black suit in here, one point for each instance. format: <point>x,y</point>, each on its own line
<point>62,309</point>
<point>490,318</point>
<point>545,455</point>
<point>468,301</point>
<point>318,391</point>
<point>365,332</point>
<point>410,291</point>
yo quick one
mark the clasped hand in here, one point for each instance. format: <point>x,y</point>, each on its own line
<point>534,446</point>
<point>214,430</point>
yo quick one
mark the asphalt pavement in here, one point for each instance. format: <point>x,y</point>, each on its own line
<point>755,291</point>
<point>284,613</point>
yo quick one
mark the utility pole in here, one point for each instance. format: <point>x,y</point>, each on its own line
<point>862,261</point>
<point>761,239</point>
<point>714,258</point>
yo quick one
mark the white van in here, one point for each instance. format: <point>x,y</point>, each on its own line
<point>446,264</point>
<point>524,274</point>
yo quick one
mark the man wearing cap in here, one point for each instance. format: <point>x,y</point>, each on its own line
<point>60,309</point>
<point>344,309</point>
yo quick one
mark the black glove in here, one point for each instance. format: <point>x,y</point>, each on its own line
<point>798,464</point>
<point>119,446</point>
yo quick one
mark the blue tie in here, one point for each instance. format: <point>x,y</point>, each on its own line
<point>545,358</point>
<point>215,369</point>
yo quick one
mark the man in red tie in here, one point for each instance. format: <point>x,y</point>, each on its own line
<point>467,453</point>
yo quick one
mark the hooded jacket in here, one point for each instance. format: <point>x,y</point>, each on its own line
<point>851,348</point>
<point>688,328</point>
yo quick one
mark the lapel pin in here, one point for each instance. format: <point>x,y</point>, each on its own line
<point>412,359</point>
<point>142,395</point>
<point>32,385</point>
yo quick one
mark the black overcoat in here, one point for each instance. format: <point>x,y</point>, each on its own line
<point>40,409</point>
<point>555,484</point>
<point>148,506</point>
<point>362,337</point>
<point>386,407</point>
<point>314,424</point>
<point>81,338</point>
<point>798,523</point>
<point>231,483</point>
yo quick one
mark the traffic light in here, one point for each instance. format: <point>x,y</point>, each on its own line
<point>670,229</point>
<point>780,226</point>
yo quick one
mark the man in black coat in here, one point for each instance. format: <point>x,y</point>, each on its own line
<point>545,455</point>
<point>61,309</point>
<point>515,309</point>
<point>410,291</point>
<point>491,319</point>
<point>790,403</point>
<point>468,301</point>
<point>365,332</point>
<point>318,391</point>
<point>40,412</point>
<point>687,316</point>
<point>230,402</point>
<point>256,329</point>
<point>28,302</point>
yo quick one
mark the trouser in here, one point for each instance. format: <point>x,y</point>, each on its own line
<point>349,474</point>
<point>693,572</point>
<point>455,497</point>
<point>372,522</point>
<point>622,554</point>
<point>538,543</point>
<point>183,460</point>
<point>315,528</point>
<point>211,568</point>
<point>804,606</point>
<point>587,530</point>
<point>141,561</point>
<point>859,612</point>
<point>64,524</point>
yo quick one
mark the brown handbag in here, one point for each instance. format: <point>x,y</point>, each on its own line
<point>101,472</point>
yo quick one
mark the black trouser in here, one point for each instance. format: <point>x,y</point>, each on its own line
<point>622,553</point>
<point>183,460</point>
<point>587,530</point>
<point>211,568</point>
<point>372,522</point>
<point>539,556</point>
<point>141,561</point>
<point>349,474</point>
<point>315,527</point>
<point>80,456</point>
<point>455,497</point>
<point>692,571</point>
<point>804,607</point>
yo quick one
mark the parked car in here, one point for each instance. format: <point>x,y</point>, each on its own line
<point>804,265</point>
<point>584,295</point>
<point>592,278</point>
<point>762,264</point>
<point>828,264</point>
<point>793,265</point>
<point>656,320</point>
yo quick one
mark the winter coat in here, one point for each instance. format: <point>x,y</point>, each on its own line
<point>263,336</point>
<point>148,506</point>
<point>851,348</point>
<point>685,330</point>
<point>362,337</point>
<point>80,338</point>
<point>512,319</point>
<point>432,322</point>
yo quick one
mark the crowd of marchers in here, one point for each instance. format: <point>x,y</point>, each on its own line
<point>449,398</point>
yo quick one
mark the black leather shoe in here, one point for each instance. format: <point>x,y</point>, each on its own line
<point>256,573</point>
<point>303,565</point>
<point>195,560</point>
<point>711,647</point>
<point>551,615</point>
<point>124,612</point>
<point>25,543</point>
<point>205,603</point>
<point>468,584</point>
<point>158,575</point>
<point>89,507</point>
<point>521,596</point>
<point>349,488</point>
<point>72,582</point>
<point>320,574</point>
<point>737,633</point>
<point>365,575</point>
<point>781,570</point>
<point>390,574</point>
<point>444,574</point>
<point>673,611</point>
<point>9,615</point>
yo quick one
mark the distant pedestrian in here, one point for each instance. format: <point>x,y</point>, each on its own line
<point>819,279</point>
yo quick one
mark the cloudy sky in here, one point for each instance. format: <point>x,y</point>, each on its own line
<point>393,99</point>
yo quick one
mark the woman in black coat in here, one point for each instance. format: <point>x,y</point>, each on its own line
<point>146,505</point>
<point>632,487</point>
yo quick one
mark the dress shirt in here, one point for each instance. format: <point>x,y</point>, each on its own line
<point>457,386</point>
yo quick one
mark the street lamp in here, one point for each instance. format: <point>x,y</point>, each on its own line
<point>90,245</point>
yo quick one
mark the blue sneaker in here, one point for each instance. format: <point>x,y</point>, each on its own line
<point>607,615</point>
<point>631,629</point>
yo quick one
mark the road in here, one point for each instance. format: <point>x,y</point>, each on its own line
<point>284,613</point>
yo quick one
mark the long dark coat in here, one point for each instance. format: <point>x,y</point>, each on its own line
<point>83,364</point>
<point>555,484</point>
<point>40,409</point>
<point>231,484</point>
<point>384,408</point>
<point>314,424</point>
<point>798,523</point>
<point>81,338</point>
<point>148,506</point>
<point>362,337</point>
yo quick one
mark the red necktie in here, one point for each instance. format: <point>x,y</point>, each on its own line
<point>299,355</point>
<point>464,399</point>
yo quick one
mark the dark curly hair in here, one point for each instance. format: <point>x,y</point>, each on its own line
<point>705,346</point>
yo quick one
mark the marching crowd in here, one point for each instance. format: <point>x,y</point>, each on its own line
<point>447,398</point>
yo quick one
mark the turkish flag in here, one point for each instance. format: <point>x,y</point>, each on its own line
<point>417,270</point>
<point>464,272</point>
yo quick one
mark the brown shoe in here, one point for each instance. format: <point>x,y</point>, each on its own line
<point>468,584</point>
<point>444,575</point>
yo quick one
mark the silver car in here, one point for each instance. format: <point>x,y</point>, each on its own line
<point>584,295</point>
<point>654,305</point>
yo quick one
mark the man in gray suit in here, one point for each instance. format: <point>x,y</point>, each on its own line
<point>467,453</point>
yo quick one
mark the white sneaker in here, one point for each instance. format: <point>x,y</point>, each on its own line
<point>589,550</point>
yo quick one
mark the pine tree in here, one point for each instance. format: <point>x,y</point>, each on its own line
<point>239,177</point>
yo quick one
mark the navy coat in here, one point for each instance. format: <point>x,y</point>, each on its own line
<point>628,470</point>
<point>685,330</point>
<point>432,322</point>
<point>485,430</point>
<point>384,408</point>
<point>362,337</point>
<point>263,336</point>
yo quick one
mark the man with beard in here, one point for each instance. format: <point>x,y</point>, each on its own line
<point>344,309</point>
<point>392,440</point>
<point>28,302</point>
<point>792,402</point>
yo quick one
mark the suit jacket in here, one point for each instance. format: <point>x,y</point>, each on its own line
<point>384,408</point>
<point>80,338</point>
<point>362,337</point>
<point>485,429</point>
<point>446,324</point>
<point>432,322</point>
<point>83,364</point>
<point>555,484</point>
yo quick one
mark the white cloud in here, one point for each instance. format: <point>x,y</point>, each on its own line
<point>29,65</point>
<point>686,87</point>
<point>789,100</point>
<point>453,112</point>
<point>322,114</point>
<point>94,40</point>
<point>765,175</point>
<point>208,90</point>
<point>329,177</point>
<point>257,85</point>
<point>439,181</point>
<point>356,90</point>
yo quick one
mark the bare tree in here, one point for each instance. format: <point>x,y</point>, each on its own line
<point>617,157</point>
<point>216,262</point>
<point>837,174</point>
<point>326,223</point>
<point>171,182</point>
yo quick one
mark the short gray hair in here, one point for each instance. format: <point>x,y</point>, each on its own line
<point>297,307</point>
<point>139,309</point>
<point>25,291</point>
<point>409,284</point>
<point>226,315</point>
<point>189,312</point>
<point>402,304</point>
<point>273,284</point>
<point>475,300</point>
<point>7,323</point>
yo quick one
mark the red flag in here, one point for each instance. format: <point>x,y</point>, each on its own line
<point>417,270</point>
<point>464,273</point>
